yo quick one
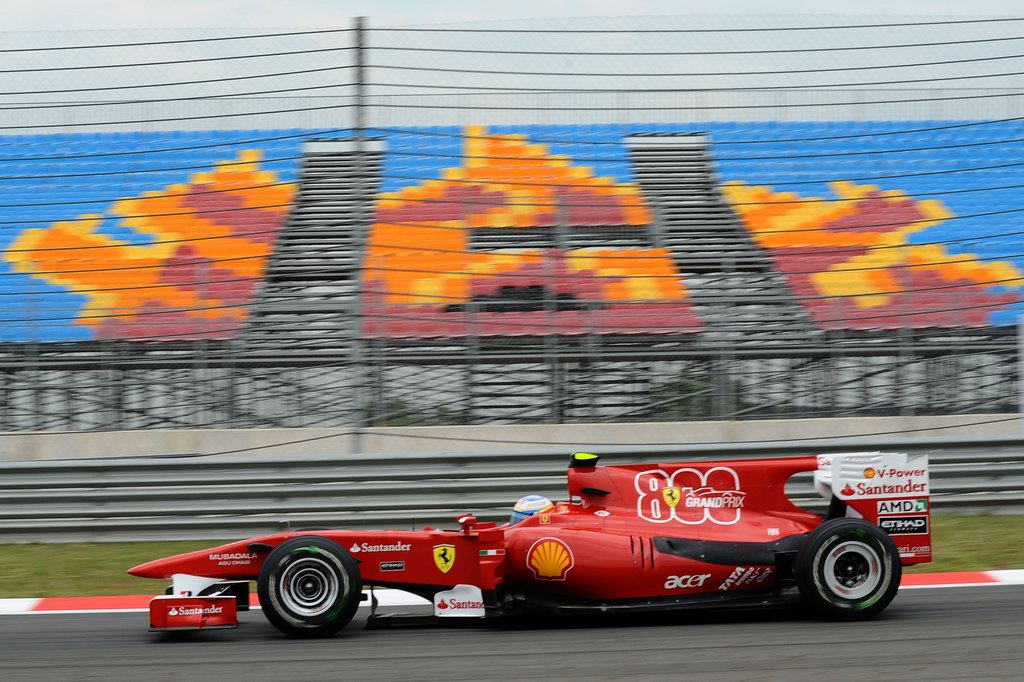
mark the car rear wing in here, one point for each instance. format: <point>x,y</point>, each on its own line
<point>889,489</point>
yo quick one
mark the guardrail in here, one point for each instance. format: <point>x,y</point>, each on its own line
<point>223,497</point>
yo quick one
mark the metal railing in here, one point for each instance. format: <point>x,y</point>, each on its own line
<point>224,497</point>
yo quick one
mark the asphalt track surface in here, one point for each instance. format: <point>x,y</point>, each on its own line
<point>932,634</point>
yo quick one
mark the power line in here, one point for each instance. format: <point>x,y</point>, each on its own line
<point>312,132</point>
<point>647,74</point>
<point>973,238</point>
<point>496,89</point>
<point>433,133</point>
<point>440,29</point>
<point>682,276</point>
<point>401,152</point>
<point>455,180</point>
<point>172,83</point>
<point>151,43</point>
<point>638,329</point>
<point>717,141</point>
<point>463,107</point>
<point>556,185</point>
<point>175,118</point>
<point>551,204</point>
<point>275,91</point>
<point>520,441</point>
<point>194,60</point>
<point>508,108</point>
<point>423,154</point>
<point>84,318</point>
<point>574,53</point>
<point>501,89</point>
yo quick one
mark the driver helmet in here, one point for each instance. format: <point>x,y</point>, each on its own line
<point>528,506</point>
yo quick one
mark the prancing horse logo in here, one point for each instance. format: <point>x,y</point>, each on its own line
<point>444,557</point>
<point>671,496</point>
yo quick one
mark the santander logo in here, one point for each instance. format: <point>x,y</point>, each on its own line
<point>442,604</point>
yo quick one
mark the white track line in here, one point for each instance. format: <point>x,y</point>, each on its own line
<point>20,607</point>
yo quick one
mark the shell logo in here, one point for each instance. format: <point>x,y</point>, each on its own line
<point>549,559</point>
<point>869,473</point>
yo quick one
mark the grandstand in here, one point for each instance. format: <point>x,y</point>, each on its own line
<point>510,272</point>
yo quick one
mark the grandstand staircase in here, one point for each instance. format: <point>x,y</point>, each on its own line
<point>731,279</point>
<point>309,291</point>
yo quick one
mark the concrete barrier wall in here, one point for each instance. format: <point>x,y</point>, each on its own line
<point>276,442</point>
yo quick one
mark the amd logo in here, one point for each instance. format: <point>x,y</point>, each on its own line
<point>902,506</point>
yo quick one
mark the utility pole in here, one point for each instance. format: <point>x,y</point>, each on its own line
<point>357,356</point>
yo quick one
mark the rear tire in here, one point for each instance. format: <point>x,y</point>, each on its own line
<point>848,569</point>
<point>309,587</point>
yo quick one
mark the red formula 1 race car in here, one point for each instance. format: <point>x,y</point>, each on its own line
<point>630,538</point>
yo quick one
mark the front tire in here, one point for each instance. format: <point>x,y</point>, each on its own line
<point>309,587</point>
<point>848,569</point>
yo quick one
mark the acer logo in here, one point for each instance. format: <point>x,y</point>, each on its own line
<point>685,582</point>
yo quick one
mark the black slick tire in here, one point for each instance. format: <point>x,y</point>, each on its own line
<point>309,587</point>
<point>848,569</point>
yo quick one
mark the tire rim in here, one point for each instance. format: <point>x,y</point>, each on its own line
<point>852,570</point>
<point>309,587</point>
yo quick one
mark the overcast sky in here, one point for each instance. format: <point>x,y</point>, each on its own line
<point>41,15</point>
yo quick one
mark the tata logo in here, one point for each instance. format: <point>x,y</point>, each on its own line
<point>690,496</point>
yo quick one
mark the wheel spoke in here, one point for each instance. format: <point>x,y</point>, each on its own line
<point>309,586</point>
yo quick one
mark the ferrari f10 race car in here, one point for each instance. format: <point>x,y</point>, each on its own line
<point>630,538</point>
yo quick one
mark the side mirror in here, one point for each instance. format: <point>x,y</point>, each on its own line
<point>467,522</point>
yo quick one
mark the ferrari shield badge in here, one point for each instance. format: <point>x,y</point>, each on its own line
<point>444,557</point>
<point>671,496</point>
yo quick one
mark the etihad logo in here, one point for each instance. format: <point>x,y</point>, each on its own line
<point>689,495</point>
<point>367,547</point>
<point>194,611</point>
<point>444,557</point>
<point>550,559</point>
